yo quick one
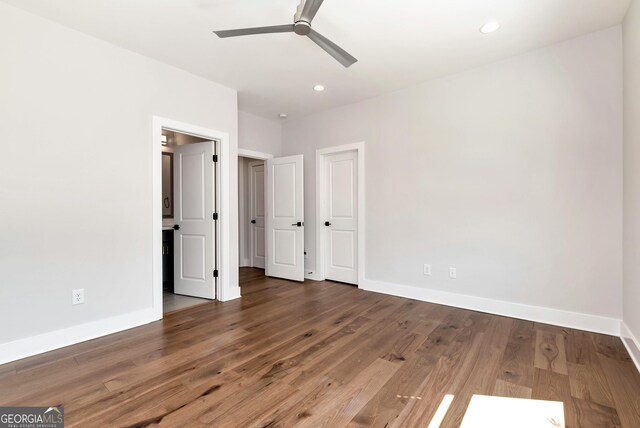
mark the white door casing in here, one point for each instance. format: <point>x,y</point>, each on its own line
<point>285,217</point>
<point>340,216</point>
<point>194,205</point>
<point>257,214</point>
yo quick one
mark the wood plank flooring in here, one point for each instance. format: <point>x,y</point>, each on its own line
<point>324,354</point>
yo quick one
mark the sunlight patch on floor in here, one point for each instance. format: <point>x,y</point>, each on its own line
<point>441,412</point>
<point>502,412</point>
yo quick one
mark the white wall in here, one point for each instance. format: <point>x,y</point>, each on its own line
<point>259,134</point>
<point>76,194</point>
<point>511,172</point>
<point>632,172</point>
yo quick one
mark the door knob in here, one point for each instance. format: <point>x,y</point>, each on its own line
<point>326,223</point>
<point>176,227</point>
<point>253,222</point>
<point>299,224</point>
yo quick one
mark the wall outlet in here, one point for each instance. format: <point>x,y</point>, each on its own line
<point>453,273</point>
<point>427,270</point>
<point>77,296</point>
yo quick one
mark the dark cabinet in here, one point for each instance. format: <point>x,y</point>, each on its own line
<point>167,260</point>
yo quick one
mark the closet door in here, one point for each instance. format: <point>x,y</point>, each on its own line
<point>340,216</point>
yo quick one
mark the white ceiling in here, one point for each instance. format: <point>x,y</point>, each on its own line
<point>398,42</point>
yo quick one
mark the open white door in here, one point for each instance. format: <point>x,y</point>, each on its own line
<point>256,212</point>
<point>285,218</point>
<point>194,205</point>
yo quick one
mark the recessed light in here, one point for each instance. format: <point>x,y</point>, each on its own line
<point>489,27</point>
<point>318,88</point>
<point>282,115</point>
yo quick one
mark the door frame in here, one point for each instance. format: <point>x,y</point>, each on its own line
<point>256,156</point>
<point>225,290</point>
<point>321,155</point>
<point>251,154</point>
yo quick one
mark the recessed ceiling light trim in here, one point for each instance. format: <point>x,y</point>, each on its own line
<point>282,115</point>
<point>490,27</point>
<point>318,88</point>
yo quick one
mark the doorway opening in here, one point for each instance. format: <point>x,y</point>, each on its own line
<point>272,220</point>
<point>202,211</point>
<point>252,250</point>
<point>189,241</point>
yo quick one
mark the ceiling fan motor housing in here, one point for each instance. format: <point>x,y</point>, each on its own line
<point>302,28</point>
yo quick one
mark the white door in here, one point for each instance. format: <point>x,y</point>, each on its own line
<point>256,212</point>
<point>340,216</point>
<point>194,205</point>
<point>285,218</point>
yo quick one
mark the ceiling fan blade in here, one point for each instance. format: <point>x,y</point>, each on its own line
<point>310,9</point>
<point>332,49</point>
<point>288,28</point>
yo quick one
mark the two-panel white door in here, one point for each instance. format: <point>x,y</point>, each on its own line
<point>339,220</point>
<point>285,217</point>
<point>257,214</point>
<point>194,237</point>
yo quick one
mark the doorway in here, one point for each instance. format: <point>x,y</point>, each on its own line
<point>251,212</point>
<point>271,215</point>
<point>189,238</point>
<point>225,285</point>
<point>257,254</point>
<point>340,212</point>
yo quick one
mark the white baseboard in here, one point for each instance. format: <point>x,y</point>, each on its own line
<point>558,317</point>
<point>27,347</point>
<point>631,343</point>
<point>22,348</point>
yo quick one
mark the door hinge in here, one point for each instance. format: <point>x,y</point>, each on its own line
<point>215,216</point>
<point>215,273</point>
<point>215,158</point>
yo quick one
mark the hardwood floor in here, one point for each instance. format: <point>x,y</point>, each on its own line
<point>324,354</point>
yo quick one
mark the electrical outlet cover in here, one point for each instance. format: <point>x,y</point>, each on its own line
<point>427,270</point>
<point>77,296</point>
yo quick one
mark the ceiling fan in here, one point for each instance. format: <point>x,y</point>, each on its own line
<point>305,13</point>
